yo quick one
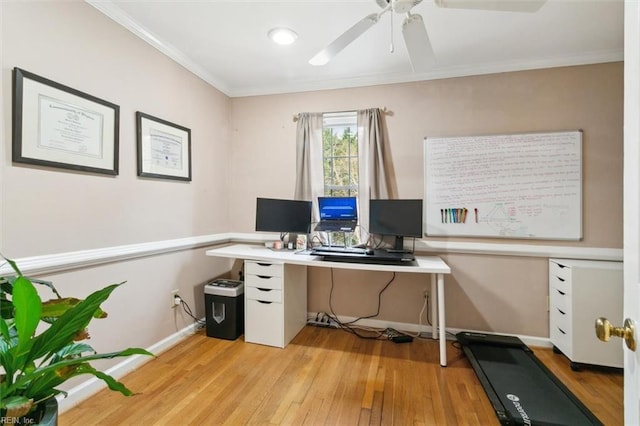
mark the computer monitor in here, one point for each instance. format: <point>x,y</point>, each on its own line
<point>283,216</point>
<point>397,218</point>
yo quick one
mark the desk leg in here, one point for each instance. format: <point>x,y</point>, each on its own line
<point>443,339</point>
<point>434,308</point>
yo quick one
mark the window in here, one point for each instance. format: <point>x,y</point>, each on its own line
<point>340,161</point>
<point>340,154</point>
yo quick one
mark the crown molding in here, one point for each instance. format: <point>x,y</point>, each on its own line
<point>119,16</point>
<point>110,9</point>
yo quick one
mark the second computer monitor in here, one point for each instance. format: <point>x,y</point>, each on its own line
<point>283,216</point>
<point>397,218</point>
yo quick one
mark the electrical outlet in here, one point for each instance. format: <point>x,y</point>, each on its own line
<point>174,293</point>
<point>425,293</point>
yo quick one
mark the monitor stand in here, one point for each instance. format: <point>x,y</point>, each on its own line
<point>398,246</point>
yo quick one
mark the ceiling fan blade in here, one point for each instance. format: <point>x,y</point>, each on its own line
<point>326,54</point>
<point>418,44</point>
<point>502,5</point>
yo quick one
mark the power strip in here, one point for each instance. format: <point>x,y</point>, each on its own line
<point>323,320</point>
<point>331,324</point>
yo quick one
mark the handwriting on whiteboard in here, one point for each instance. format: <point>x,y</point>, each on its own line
<point>523,186</point>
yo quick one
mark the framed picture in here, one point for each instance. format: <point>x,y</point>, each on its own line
<point>57,126</point>
<point>164,148</point>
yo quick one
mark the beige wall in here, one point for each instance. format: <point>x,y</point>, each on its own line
<point>54,210</point>
<point>491,293</point>
<point>49,211</point>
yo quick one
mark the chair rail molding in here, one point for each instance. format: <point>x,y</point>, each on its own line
<point>58,262</point>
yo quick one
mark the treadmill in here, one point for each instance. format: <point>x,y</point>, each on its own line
<point>522,390</point>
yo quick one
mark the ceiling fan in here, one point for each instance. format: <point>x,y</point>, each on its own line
<point>414,31</point>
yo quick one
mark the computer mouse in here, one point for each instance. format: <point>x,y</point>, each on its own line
<point>369,251</point>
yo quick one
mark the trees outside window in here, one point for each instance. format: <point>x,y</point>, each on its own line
<point>340,160</point>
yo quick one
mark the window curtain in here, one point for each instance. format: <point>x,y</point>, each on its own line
<point>309,173</point>
<point>374,162</point>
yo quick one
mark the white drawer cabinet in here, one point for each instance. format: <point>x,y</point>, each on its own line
<point>579,292</point>
<point>275,302</point>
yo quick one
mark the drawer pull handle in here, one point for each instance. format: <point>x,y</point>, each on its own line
<point>264,264</point>
<point>561,292</point>
<point>561,311</point>
<point>263,289</point>
<point>264,302</point>
<point>560,279</point>
<point>561,330</point>
<point>264,277</point>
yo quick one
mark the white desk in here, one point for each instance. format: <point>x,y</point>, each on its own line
<point>425,265</point>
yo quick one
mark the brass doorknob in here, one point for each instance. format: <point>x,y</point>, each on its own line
<point>604,331</point>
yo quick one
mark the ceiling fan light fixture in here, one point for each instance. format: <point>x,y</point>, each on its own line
<point>282,36</point>
<point>320,59</point>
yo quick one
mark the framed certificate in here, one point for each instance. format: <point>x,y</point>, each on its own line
<point>57,126</point>
<point>164,148</point>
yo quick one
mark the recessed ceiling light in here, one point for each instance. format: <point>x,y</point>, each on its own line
<point>282,36</point>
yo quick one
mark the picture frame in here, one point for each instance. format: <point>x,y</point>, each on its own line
<point>164,148</point>
<point>58,126</point>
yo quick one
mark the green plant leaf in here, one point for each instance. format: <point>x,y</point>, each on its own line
<point>4,330</point>
<point>47,284</point>
<point>6,358</point>
<point>55,308</point>
<point>65,366</point>
<point>6,308</point>
<point>71,350</point>
<point>58,357</point>
<point>14,266</point>
<point>74,320</point>
<point>113,384</point>
<point>28,307</point>
<point>44,384</point>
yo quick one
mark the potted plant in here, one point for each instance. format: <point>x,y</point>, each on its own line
<point>41,348</point>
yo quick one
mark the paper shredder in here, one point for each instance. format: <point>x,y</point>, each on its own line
<point>224,307</point>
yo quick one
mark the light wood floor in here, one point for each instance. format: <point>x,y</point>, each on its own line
<point>325,376</point>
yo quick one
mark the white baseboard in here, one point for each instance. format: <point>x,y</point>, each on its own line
<point>93,385</point>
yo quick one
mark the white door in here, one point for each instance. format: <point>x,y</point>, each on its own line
<point>632,204</point>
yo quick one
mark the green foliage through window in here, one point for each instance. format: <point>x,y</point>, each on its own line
<point>340,161</point>
<point>340,154</point>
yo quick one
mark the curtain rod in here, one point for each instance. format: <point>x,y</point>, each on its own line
<point>383,109</point>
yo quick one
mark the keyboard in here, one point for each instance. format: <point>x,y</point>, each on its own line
<point>336,226</point>
<point>334,249</point>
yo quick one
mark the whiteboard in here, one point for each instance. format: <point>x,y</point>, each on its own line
<point>513,186</point>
